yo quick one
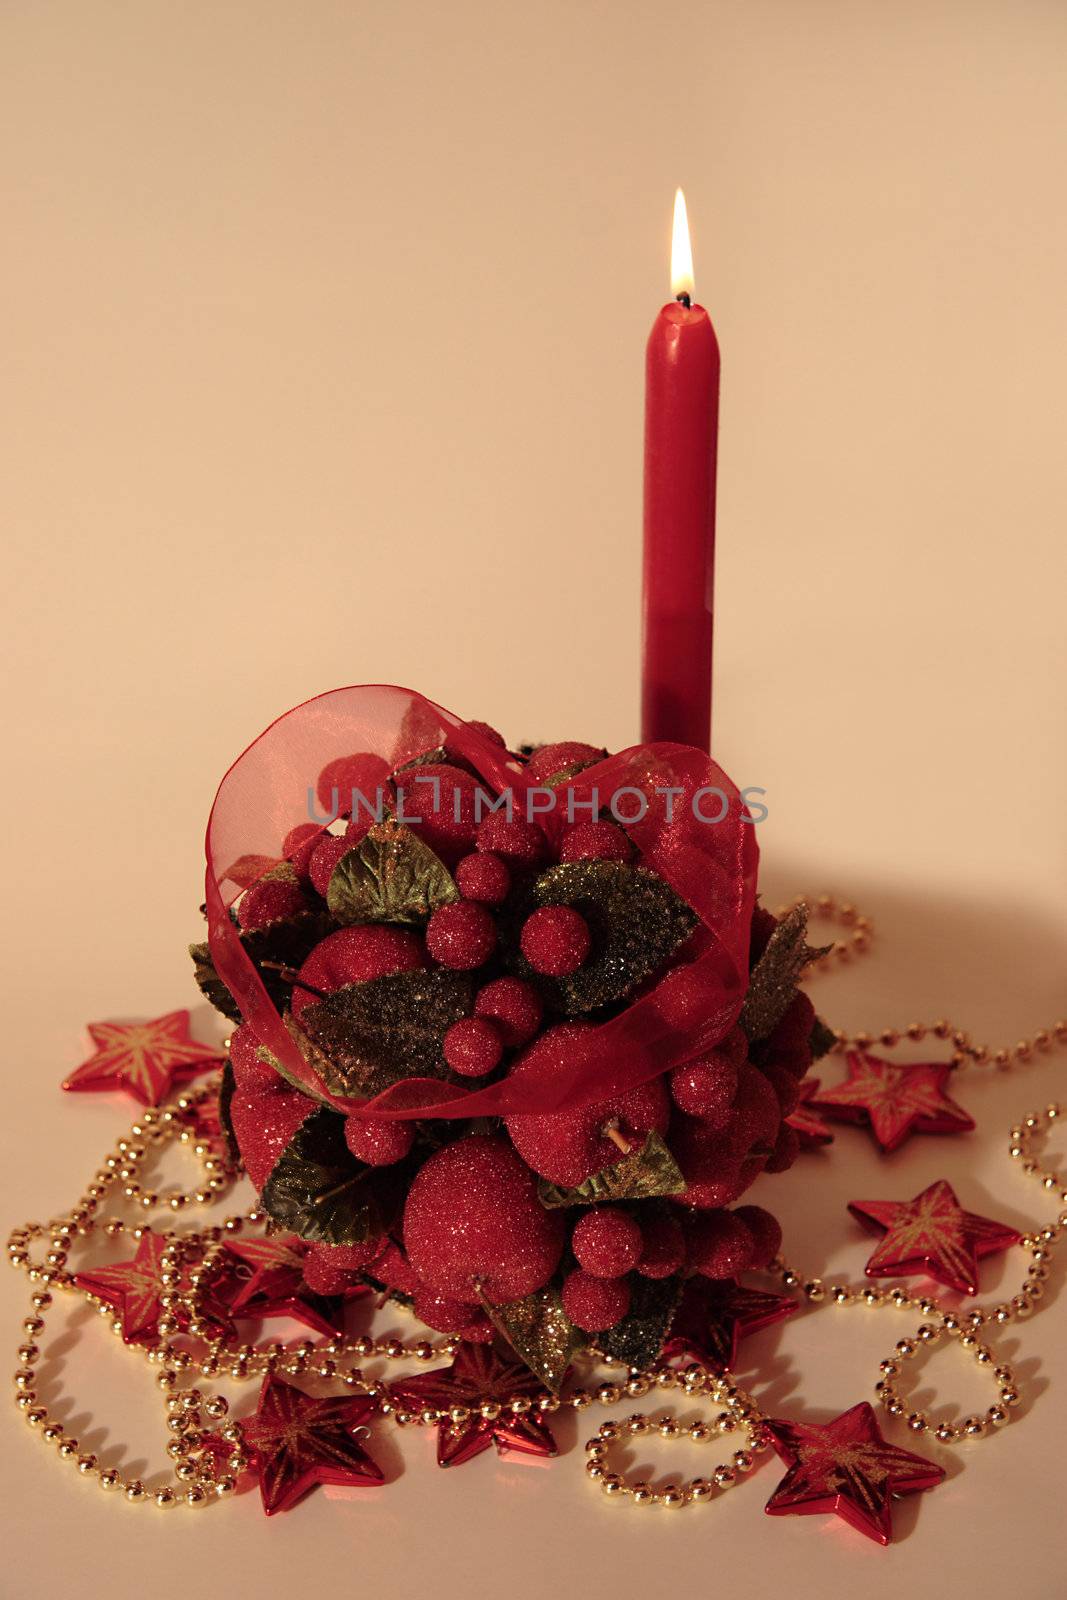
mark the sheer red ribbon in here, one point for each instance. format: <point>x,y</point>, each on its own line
<point>710,864</point>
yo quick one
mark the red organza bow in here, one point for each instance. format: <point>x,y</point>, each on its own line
<point>711,865</point>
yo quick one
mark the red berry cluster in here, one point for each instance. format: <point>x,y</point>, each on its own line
<point>471,1226</point>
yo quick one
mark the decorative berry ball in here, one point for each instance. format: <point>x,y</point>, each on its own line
<point>514,1006</point>
<point>439,802</point>
<point>298,846</point>
<point>521,843</point>
<point>325,856</point>
<point>705,1088</point>
<point>330,1268</point>
<point>473,1221</point>
<point>355,955</point>
<point>473,1046</point>
<point>445,1315</point>
<point>484,876</point>
<point>720,1245</point>
<point>461,936</point>
<point>595,841</point>
<point>569,1146</point>
<point>338,778</point>
<point>595,1304</point>
<point>663,1248</point>
<point>554,758</point>
<point>555,940</point>
<point>270,900</point>
<point>607,1242</point>
<point>766,1233</point>
<point>250,1072</point>
<point>379,1141</point>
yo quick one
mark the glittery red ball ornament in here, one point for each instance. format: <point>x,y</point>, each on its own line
<point>264,1121</point>
<point>720,1245</point>
<point>250,1072</point>
<point>484,876</point>
<point>330,1268</point>
<point>595,841</point>
<point>595,1304</point>
<point>461,936</point>
<point>473,1046</point>
<point>365,773</point>
<point>379,1141</point>
<point>270,900</point>
<point>705,1087</point>
<point>298,847</point>
<point>555,940</point>
<point>473,1219</point>
<point>355,955</point>
<point>518,841</point>
<point>553,758</point>
<point>569,1146</point>
<point>445,1315</point>
<point>606,1242</point>
<point>439,803</point>
<point>766,1233</point>
<point>663,1248</point>
<point>325,856</point>
<point>514,1006</point>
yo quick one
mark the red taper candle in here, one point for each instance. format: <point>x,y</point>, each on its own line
<point>681,443</point>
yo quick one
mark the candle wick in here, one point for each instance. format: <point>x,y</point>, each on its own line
<point>684,299</point>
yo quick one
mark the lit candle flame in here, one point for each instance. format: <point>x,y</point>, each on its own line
<point>681,251</point>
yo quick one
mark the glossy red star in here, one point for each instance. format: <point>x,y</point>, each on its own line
<point>713,1318</point>
<point>144,1058</point>
<point>846,1467</point>
<point>270,1283</point>
<point>805,1120</point>
<point>132,1288</point>
<point>894,1100</point>
<point>932,1234</point>
<point>297,1440</point>
<point>480,1372</point>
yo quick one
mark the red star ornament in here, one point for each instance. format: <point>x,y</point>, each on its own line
<point>480,1372</point>
<point>894,1100</point>
<point>932,1234</point>
<point>847,1468</point>
<point>298,1440</point>
<point>273,1285</point>
<point>713,1317</point>
<point>132,1288</point>
<point>144,1058</point>
<point>805,1120</point>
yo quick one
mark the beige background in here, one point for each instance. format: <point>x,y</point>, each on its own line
<point>322,331</point>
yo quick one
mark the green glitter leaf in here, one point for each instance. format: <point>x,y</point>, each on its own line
<point>286,943</point>
<point>375,1034</point>
<point>641,1175</point>
<point>638,1338</point>
<point>390,876</point>
<point>775,976</point>
<point>540,1332</point>
<point>318,1190</point>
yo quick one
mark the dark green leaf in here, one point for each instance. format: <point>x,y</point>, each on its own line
<point>648,1171</point>
<point>636,921</point>
<point>774,978</point>
<point>286,943</point>
<point>318,1190</point>
<point>227,1085</point>
<point>390,876</point>
<point>637,1339</point>
<point>823,1039</point>
<point>375,1034</point>
<point>541,1334</point>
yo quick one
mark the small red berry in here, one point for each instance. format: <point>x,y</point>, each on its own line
<point>720,1245</point>
<point>330,1268</point>
<point>325,857</point>
<point>473,1046</point>
<point>786,1149</point>
<point>517,841</point>
<point>553,758</point>
<point>766,1233</point>
<point>664,1248</point>
<point>595,1304</point>
<point>555,940</point>
<point>270,900</point>
<point>367,773</point>
<point>514,1006</point>
<point>595,841</point>
<point>705,1087</point>
<point>438,801</point>
<point>298,847</point>
<point>484,877</point>
<point>606,1242</point>
<point>379,1141</point>
<point>461,936</point>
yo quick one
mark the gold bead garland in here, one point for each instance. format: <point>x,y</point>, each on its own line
<point>197,1425</point>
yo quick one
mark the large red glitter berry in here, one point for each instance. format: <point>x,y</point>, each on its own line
<point>519,842</point>
<point>705,1087</point>
<point>445,1315</point>
<point>595,841</point>
<point>595,1304</point>
<point>473,1220</point>
<point>514,1006</point>
<point>766,1233</point>
<point>569,1146</point>
<point>250,1072</point>
<point>365,773</point>
<point>264,1121</point>
<point>484,876</point>
<point>555,940</point>
<point>711,1163</point>
<point>355,955</point>
<point>663,1251</point>
<point>298,847</point>
<point>720,1245</point>
<point>461,936</point>
<point>270,900</point>
<point>438,802</point>
<point>325,856</point>
<point>606,1242</point>
<point>473,1046</point>
<point>330,1268</point>
<point>554,758</point>
<point>379,1141</point>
